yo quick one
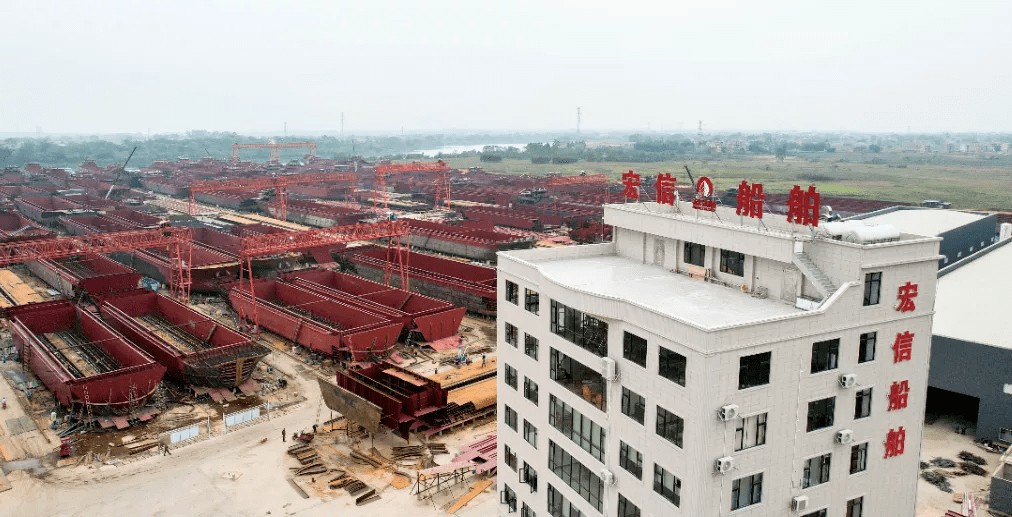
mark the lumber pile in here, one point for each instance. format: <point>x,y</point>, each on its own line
<point>364,459</point>
<point>137,445</point>
<point>357,489</point>
<point>414,452</point>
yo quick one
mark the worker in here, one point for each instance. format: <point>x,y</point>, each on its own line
<point>5,402</point>
<point>314,428</point>
<point>483,360</point>
<point>282,434</point>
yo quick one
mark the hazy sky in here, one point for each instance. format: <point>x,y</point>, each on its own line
<point>97,66</point>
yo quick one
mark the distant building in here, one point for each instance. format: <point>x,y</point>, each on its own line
<point>963,233</point>
<point>697,366</point>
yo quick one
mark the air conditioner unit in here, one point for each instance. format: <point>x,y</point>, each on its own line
<point>609,370</point>
<point>728,412</point>
<point>723,465</point>
<point>799,503</point>
<point>844,436</point>
<point>848,380</point>
<point>607,477</point>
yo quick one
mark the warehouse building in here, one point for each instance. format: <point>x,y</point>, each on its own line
<point>963,233</point>
<point>707,364</point>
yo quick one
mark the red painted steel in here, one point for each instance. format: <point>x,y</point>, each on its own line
<point>279,184</point>
<point>275,149</point>
<point>94,274</point>
<point>227,358</point>
<point>380,186</point>
<point>315,321</point>
<point>587,179</point>
<point>404,404</point>
<point>434,319</point>
<point>14,227</point>
<point>117,391</point>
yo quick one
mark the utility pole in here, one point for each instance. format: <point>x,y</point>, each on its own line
<point>342,125</point>
<point>700,129</point>
<point>286,129</point>
<point>578,119</point>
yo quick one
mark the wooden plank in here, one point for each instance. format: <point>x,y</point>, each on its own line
<point>476,489</point>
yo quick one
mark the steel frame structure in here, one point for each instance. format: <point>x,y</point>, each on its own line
<point>178,242</point>
<point>380,187</point>
<point>279,184</point>
<point>275,149</point>
<point>260,245</point>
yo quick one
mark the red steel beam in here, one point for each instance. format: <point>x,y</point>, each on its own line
<point>279,184</point>
<point>380,187</point>
<point>589,179</point>
<point>179,241</point>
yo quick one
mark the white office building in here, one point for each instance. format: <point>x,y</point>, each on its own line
<point>706,364</point>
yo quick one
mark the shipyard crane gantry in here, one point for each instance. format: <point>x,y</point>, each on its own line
<point>380,192</point>
<point>260,245</point>
<point>274,147</point>
<point>178,242</point>
<point>279,184</point>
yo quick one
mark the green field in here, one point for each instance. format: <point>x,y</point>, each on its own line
<point>968,182</point>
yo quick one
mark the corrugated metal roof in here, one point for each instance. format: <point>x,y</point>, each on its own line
<point>971,301</point>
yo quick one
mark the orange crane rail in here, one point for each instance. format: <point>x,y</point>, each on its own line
<point>259,245</point>
<point>178,241</point>
<point>275,149</point>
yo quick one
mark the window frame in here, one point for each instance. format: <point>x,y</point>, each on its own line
<point>758,379</point>
<point>574,473</point>
<point>759,428</point>
<point>825,466</point>
<point>532,299</point>
<point>672,494</point>
<point>511,457</point>
<point>512,292</point>
<point>630,399</point>
<point>825,356</point>
<point>729,259</point>
<point>634,348</point>
<point>857,502</point>
<point>670,426</point>
<point>623,507</point>
<point>858,458</point>
<point>689,251</point>
<point>531,342</point>
<point>630,459</point>
<point>671,365</point>
<point>866,347</point>
<point>824,512</point>
<point>510,333</point>
<point>531,390</point>
<point>579,328</point>
<point>754,486</point>
<point>872,288</point>
<point>862,403</point>
<point>511,376</point>
<point>510,417</point>
<point>582,431</point>
<point>530,433</point>
<point>827,419</point>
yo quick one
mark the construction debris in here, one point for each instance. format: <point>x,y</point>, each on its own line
<point>972,468</point>
<point>939,480</point>
<point>315,468</point>
<point>971,457</point>
<point>943,463</point>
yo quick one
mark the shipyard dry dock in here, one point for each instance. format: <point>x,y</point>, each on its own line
<point>196,350</point>
<point>83,361</point>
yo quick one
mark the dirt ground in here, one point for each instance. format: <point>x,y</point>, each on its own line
<point>941,441</point>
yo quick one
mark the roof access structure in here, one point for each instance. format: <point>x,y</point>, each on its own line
<point>279,184</point>
<point>177,241</point>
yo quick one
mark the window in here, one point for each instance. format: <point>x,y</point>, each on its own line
<point>872,288</point>
<point>817,513</point>
<point>855,507</point>
<point>634,406</point>
<point>532,301</point>
<point>862,403</point>
<point>512,292</point>
<point>859,458</point>
<point>627,509</point>
<point>867,351</point>
<point>577,378</point>
<point>509,498</point>
<point>525,511</point>
<point>732,262</point>
<point>694,253</point>
<point>511,334</point>
<point>511,457</point>
<point>666,484</point>
<point>747,491</point>
<point>820,413</point>
<point>634,348</point>
<point>531,346</point>
<point>530,434</point>
<point>751,432</point>
<point>529,476</point>
<point>580,478</point>
<point>511,376</point>
<point>816,471</point>
<point>510,417</point>
<point>630,459</point>
<point>825,355</point>
<point>531,390</point>
<point>754,370</point>
<point>559,506</point>
<point>670,426</point>
<point>581,329</point>
<point>671,366</point>
<point>578,428</point>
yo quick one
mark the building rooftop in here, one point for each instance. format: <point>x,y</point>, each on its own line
<point>693,301</point>
<point>923,221</point>
<point>969,303</point>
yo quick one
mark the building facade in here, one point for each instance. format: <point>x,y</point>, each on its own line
<point>704,364</point>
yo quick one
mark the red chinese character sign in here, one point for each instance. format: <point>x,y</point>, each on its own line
<point>903,347</point>
<point>631,181</point>
<point>750,200</point>
<point>906,296</point>
<point>666,189</point>
<point>803,207</point>
<point>704,196</point>
<point>895,442</point>
<point>899,394</point>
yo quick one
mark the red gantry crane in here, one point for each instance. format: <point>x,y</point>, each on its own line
<point>260,245</point>
<point>279,184</point>
<point>178,242</point>
<point>274,147</point>
<point>401,168</point>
